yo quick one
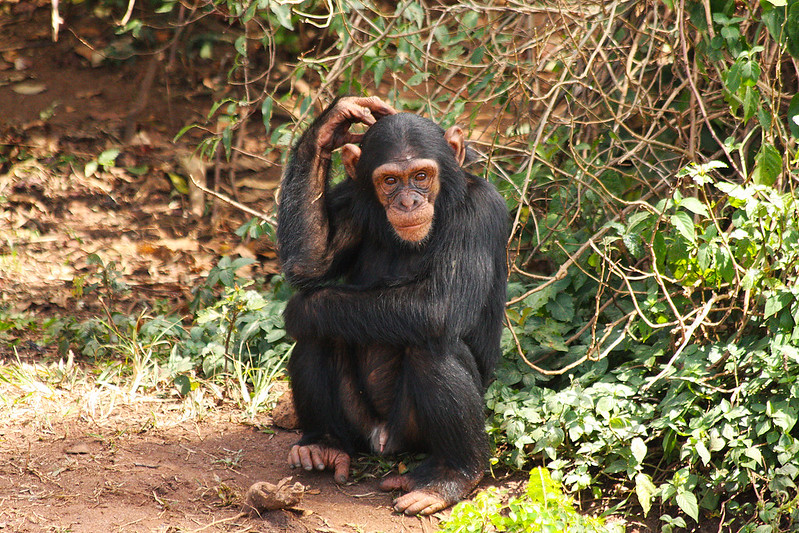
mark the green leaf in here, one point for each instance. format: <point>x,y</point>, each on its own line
<point>702,452</point>
<point>749,279</point>
<point>637,218</point>
<point>94,259</point>
<point>283,14</point>
<point>645,490</point>
<point>249,13</point>
<point>470,19</point>
<point>107,158</point>
<point>240,45</point>
<point>179,183</point>
<point>793,115</point>
<point>751,103</point>
<point>638,447</point>
<point>183,384</point>
<point>227,138</point>
<point>685,225</point>
<point>784,416</point>
<point>241,262</point>
<point>166,7</point>
<point>538,299</point>
<point>791,29</point>
<point>266,113</point>
<point>378,70</point>
<point>724,264</point>
<point>508,376</point>
<point>562,307</point>
<point>694,205</point>
<point>139,170</point>
<point>417,78</point>
<point>687,502</point>
<point>415,13</point>
<point>775,302</point>
<point>754,454</point>
<point>734,78</point>
<point>90,168</point>
<point>183,131</point>
<point>730,33</point>
<point>633,243</point>
<point>768,165</point>
<point>750,72</point>
<point>214,108</point>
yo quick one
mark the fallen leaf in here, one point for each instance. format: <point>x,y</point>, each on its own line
<point>29,88</point>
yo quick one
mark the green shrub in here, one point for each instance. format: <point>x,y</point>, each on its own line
<point>543,507</point>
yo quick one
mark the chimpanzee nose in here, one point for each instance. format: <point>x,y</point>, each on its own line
<point>408,202</point>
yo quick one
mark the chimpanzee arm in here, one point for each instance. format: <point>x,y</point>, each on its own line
<point>313,223</point>
<point>465,273</point>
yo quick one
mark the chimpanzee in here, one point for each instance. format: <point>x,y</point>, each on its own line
<point>401,274</point>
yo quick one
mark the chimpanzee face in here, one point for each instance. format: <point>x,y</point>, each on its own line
<point>407,190</point>
<point>400,156</point>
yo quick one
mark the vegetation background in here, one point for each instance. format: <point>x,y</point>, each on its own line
<point>648,154</point>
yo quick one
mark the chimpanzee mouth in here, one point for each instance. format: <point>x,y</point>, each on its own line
<point>413,226</point>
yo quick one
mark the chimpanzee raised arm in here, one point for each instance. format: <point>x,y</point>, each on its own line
<point>313,228</point>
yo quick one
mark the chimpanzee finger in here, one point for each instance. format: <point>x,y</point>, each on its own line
<point>353,138</point>
<point>364,115</point>
<point>317,457</point>
<point>349,111</point>
<point>305,457</point>
<point>294,457</point>
<point>341,468</point>
<point>377,106</point>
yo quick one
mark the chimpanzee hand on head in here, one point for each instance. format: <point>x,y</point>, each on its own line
<point>344,113</point>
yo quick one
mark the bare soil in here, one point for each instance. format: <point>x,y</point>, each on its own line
<point>77,455</point>
<point>141,465</point>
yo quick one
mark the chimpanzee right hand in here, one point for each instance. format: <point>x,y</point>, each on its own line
<point>343,113</point>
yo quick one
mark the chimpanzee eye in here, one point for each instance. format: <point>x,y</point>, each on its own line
<point>390,180</point>
<point>421,176</point>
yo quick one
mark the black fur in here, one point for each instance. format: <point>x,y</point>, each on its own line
<point>430,313</point>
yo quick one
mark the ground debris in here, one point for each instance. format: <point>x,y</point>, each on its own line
<point>264,496</point>
<point>284,415</point>
<point>78,448</point>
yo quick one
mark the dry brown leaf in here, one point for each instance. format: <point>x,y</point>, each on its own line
<point>29,88</point>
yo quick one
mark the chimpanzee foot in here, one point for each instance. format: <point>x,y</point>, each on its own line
<point>422,502</point>
<point>320,457</point>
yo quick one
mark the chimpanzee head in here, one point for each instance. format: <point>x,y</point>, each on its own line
<point>414,168</point>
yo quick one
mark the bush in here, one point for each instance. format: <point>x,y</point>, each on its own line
<point>542,507</point>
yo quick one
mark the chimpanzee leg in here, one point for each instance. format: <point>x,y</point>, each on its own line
<point>442,404</point>
<point>316,369</point>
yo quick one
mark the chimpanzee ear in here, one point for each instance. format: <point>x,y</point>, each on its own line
<point>457,141</point>
<point>350,154</point>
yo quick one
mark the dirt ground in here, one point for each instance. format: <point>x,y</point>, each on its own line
<point>71,463</point>
<point>76,455</point>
